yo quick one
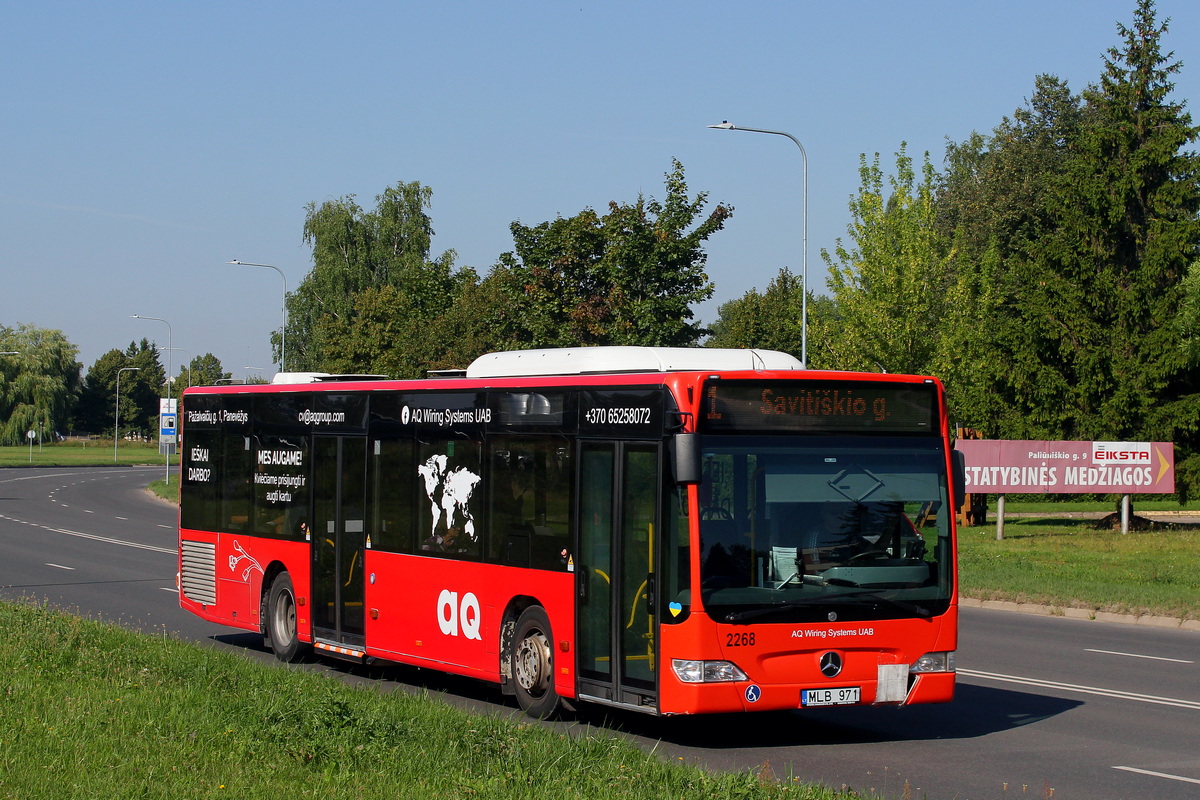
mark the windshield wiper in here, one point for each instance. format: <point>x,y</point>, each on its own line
<point>839,599</point>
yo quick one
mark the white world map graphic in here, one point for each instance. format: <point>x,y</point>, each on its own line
<point>449,492</point>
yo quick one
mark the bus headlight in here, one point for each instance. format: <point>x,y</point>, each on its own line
<point>934,662</point>
<point>706,671</point>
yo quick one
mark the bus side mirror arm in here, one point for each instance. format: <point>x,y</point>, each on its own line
<point>686,456</point>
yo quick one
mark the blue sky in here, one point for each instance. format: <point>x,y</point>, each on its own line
<point>142,145</point>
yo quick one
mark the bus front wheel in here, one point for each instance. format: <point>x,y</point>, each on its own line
<point>281,619</point>
<point>531,659</point>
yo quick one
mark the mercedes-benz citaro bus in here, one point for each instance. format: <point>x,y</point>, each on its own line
<point>669,530</point>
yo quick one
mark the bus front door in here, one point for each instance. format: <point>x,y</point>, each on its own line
<point>616,628</point>
<point>339,537</point>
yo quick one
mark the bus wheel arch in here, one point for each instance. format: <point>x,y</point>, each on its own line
<point>508,628</point>
<point>264,596</point>
<point>530,654</point>
<point>281,627</point>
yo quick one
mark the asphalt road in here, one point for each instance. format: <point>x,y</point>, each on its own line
<point>1046,707</point>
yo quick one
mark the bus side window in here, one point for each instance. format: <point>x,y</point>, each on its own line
<point>531,479</point>
<point>450,518</point>
<point>234,493</point>
<point>393,495</point>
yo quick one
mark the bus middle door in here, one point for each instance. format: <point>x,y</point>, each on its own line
<point>339,538</point>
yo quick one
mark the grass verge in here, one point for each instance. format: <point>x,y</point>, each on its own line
<point>1068,564</point>
<point>166,491</point>
<point>92,710</point>
<point>83,453</point>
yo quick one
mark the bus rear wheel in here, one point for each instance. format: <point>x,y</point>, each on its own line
<point>531,659</point>
<point>281,620</point>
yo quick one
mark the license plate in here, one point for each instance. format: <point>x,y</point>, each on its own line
<point>844,696</point>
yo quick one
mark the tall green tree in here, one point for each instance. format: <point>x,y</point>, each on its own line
<point>893,282</point>
<point>629,277</point>
<point>203,370</point>
<point>1097,355</point>
<point>995,203</point>
<point>39,382</point>
<point>1128,229</point>
<point>395,332</point>
<point>356,250</point>
<point>770,320</point>
<point>141,389</point>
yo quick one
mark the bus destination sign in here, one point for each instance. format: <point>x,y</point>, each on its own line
<point>818,407</point>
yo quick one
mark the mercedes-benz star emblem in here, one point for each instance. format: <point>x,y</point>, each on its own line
<point>831,664</point>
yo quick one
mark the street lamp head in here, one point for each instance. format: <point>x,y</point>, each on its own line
<point>725,125</point>
<point>235,261</point>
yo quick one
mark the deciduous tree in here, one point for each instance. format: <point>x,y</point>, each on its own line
<point>893,282</point>
<point>39,382</point>
<point>356,250</point>
<point>629,277</point>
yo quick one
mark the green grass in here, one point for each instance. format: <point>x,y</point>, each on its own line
<point>83,453</point>
<point>92,710</point>
<point>165,491</point>
<point>1067,564</point>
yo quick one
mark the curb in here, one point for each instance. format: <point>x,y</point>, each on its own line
<point>1087,614</point>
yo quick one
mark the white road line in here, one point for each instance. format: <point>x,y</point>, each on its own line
<point>1138,655</point>
<point>93,537</point>
<point>124,518</point>
<point>1166,775</point>
<point>1071,687</point>
<point>88,512</point>
<point>168,527</point>
<point>170,589</point>
<point>65,475</point>
<point>59,566</point>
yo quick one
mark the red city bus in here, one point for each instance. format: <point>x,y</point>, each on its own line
<point>669,530</point>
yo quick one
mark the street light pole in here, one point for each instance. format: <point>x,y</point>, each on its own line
<point>729,126</point>
<point>283,330</point>
<point>189,364</point>
<point>169,347</point>
<point>117,412</point>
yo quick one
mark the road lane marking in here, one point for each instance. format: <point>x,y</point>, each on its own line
<point>1071,687</point>
<point>1166,775</point>
<point>1138,655</point>
<point>67,475</point>
<point>170,589</point>
<point>93,537</point>
<point>124,518</point>
<point>59,566</point>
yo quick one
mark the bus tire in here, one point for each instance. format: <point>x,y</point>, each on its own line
<point>281,620</point>
<point>531,660</point>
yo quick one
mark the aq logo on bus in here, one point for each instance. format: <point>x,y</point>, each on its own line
<point>454,615</point>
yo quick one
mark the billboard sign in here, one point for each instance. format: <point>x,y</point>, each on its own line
<point>997,466</point>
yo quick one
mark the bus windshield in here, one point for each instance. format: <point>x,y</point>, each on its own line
<point>805,529</point>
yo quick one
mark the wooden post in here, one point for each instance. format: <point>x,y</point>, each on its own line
<point>1000,518</point>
